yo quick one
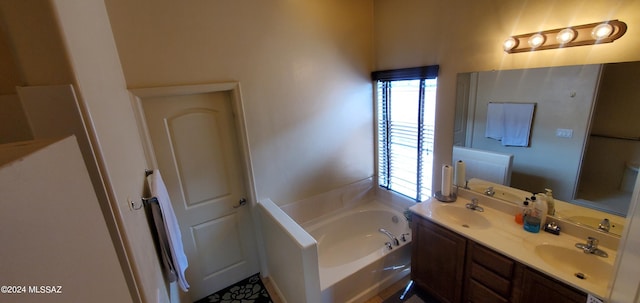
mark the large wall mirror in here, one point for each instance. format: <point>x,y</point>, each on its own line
<point>584,137</point>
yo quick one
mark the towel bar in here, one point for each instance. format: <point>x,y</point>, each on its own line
<point>145,201</point>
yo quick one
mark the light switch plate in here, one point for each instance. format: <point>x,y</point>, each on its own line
<point>564,132</point>
<point>592,299</point>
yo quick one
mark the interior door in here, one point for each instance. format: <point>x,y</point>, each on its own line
<point>195,146</point>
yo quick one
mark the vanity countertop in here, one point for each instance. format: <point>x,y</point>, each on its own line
<point>502,234</point>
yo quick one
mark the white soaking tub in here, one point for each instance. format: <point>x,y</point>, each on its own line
<point>353,258</point>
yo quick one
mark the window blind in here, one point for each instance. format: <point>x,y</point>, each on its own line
<point>406,105</point>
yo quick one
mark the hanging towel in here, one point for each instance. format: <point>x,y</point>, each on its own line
<point>165,250</point>
<point>171,228</point>
<point>517,123</point>
<point>495,121</point>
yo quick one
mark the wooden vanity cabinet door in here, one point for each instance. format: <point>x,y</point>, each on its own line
<point>437,260</point>
<point>538,288</point>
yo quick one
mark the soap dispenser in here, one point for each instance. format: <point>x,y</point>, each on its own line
<point>533,220</point>
<point>551,203</point>
<point>541,207</point>
<point>523,212</point>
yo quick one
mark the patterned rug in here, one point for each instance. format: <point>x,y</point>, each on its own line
<point>249,290</point>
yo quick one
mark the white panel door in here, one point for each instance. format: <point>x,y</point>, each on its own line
<point>196,149</point>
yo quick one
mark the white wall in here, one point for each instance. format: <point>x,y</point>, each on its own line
<point>304,71</point>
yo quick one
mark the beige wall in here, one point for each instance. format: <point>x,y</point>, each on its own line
<point>616,115</point>
<point>618,105</point>
<point>33,41</point>
<point>31,53</point>
<point>303,67</point>
<point>9,78</point>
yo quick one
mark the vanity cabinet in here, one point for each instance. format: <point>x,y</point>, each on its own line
<point>538,287</point>
<point>454,269</point>
<point>437,260</point>
<point>490,276</point>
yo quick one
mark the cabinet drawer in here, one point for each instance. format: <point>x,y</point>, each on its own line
<point>491,280</point>
<point>498,263</point>
<point>478,293</point>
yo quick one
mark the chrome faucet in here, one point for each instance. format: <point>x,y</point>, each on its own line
<point>604,225</point>
<point>489,191</point>
<point>474,205</point>
<point>391,236</point>
<point>591,247</point>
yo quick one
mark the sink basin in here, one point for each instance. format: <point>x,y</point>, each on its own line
<point>573,260</point>
<point>463,216</point>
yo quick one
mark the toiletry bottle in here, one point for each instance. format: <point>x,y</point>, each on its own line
<point>551,203</point>
<point>533,220</point>
<point>541,207</point>
<point>523,212</point>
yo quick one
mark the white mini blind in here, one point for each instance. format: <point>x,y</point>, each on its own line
<point>406,111</point>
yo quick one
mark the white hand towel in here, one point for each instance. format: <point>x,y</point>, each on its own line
<point>517,123</point>
<point>180,263</point>
<point>495,121</point>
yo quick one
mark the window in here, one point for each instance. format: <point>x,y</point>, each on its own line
<point>406,114</point>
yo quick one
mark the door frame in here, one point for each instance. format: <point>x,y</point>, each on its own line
<point>138,94</point>
<point>237,107</point>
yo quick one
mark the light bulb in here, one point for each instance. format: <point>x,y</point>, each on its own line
<point>566,35</point>
<point>509,44</point>
<point>536,40</point>
<point>602,31</point>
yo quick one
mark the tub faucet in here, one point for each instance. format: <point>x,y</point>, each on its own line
<point>489,191</point>
<point>605,225</point>
<point>591,247</point>
<point>391,236</point>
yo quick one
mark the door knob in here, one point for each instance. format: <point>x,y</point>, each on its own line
<point>241,203</point>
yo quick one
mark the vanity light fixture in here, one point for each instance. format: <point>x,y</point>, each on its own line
<point>586,34</point>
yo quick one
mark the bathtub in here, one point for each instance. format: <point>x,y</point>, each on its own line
<point>351,241</point>
<point>353,258</point>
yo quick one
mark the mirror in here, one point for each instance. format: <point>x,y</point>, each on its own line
<point>584,140</point>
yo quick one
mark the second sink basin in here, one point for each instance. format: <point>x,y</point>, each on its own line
<point>462,216</point>
<point>584,266</point>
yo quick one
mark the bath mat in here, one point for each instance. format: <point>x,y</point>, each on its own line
<point>249,290</point>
